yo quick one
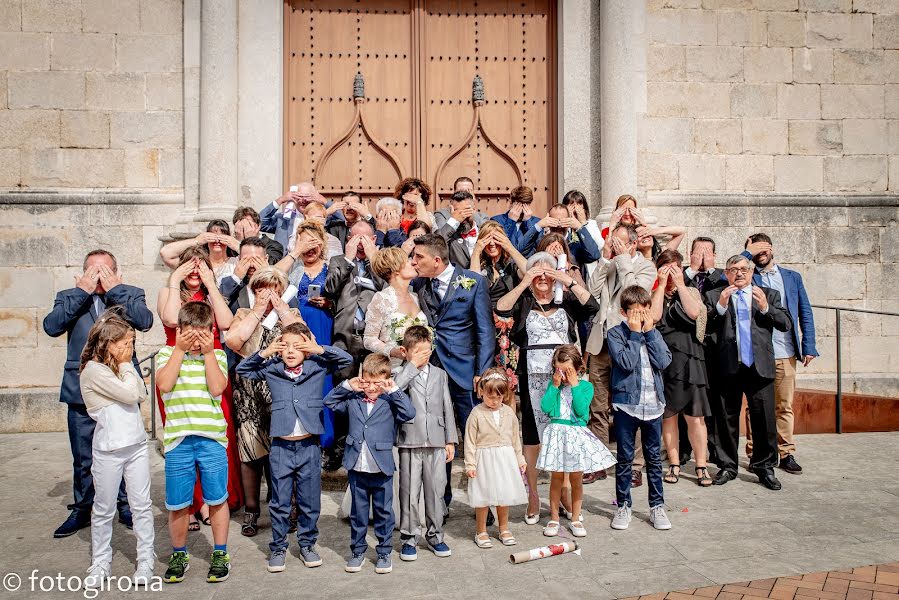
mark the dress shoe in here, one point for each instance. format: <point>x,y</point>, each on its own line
<point>74,523</point>
<point>596,476</point>
<point>724,476</point>
<point>636,478</point>
<point>126,519</point>
<point>789,464</point>
<point>767,479</point>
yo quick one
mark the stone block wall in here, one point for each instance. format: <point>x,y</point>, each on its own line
<point>91,94</point>
<point>783,116</point>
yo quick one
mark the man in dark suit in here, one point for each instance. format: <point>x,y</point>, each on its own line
<point>74,312</point>
<point>460,230</point>
<point>457,304</point>
<point>247,224</point>
<point>462,184</point>
<point>788,347</point>
<point>519,221</point>
<point>235,287</point>
<point>704,276</point>
<point>345,213</point>
<point>743,317</point>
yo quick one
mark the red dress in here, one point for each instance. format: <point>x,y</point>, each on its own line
<point>235,487</point>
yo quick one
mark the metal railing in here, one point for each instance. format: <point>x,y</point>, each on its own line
<point>151,372</point>
<point>839,310</point>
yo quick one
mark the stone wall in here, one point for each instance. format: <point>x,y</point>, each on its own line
<point>783,116</point>
<point>91,140</point>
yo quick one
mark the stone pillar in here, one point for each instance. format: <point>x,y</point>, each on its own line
<point>622,56</point>
<point>578,79</point>
<point>218,110</point>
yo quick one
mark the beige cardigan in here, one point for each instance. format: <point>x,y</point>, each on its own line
<point>482,432</point>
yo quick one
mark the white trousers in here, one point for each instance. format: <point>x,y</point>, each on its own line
<point>109,467</point>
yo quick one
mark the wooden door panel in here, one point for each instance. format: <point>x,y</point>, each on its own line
<point>418,58</point>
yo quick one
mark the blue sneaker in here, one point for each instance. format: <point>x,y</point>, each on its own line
<point>383,565</point>
<point>310,557</point>
<point>354,565</point>
<point>73,524</point>
<point>408,553</point>
<point>277,561</point>
<point>441,549</point>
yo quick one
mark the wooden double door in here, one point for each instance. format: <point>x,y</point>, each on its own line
<point>418,60</point>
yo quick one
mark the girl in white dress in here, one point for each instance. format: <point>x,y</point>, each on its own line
<point>568,446</point>
<point>494,461</point>
<point>394,309</point>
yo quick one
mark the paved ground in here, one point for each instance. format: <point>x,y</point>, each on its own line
<point>875,582</point>
<point>842,513</point>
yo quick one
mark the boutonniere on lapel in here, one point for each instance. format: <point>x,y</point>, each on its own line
<point>574,238</point>
<point>466,282</point>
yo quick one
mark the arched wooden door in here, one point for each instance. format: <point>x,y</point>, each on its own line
<point>418,59</point>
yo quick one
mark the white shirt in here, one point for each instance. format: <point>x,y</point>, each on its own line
<point>783,342</point>
<point>296,223</point>
<point>649,407</point>
<point>299,431</point>
<point>470,240</point>
<point>366,462</point>
<point>445,279</point>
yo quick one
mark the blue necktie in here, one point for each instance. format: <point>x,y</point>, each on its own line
<point>744,316</point>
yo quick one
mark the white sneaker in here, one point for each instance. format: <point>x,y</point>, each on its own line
<point>96,575</point>
<point>658,518</point>
<point>622,517</point>
<point>143,574</point>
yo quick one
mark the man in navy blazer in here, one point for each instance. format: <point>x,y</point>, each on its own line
<point>559,219</point>
<point>457,304</point>
<point>796,344</point>
<point>74,312</point>
<point>519,223</point>
<point>295,380</point>
<point>374,407</point>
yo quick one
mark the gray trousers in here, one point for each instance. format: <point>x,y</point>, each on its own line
<point>422,469</point>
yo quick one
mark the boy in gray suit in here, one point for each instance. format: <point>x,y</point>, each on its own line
<point>425,444</point>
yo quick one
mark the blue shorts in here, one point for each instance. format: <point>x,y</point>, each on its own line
<point>181,465</point>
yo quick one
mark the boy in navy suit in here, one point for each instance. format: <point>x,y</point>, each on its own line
<point>375,407</point>
<point>294,366</point>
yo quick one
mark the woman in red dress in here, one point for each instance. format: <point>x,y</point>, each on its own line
<point>194,281</point>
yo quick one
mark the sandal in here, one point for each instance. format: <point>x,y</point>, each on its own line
<point>507,540</point>
<point>577,529</point>
<point>250,526</point>
<point>205,521</point>
<point>703,480</point>
<point>483,540</point>
<point>672,477</point>
<point>551,529</point>
<point>193,525</point>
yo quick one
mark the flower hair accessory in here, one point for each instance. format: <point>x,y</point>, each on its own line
<point>492,376</point>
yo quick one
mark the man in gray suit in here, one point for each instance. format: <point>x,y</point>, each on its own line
<point>462,184</point>
<point>425,444</point>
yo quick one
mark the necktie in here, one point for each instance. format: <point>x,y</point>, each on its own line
<point>470,233</point>
<point>700,280</point>
<point>360,267</point>
<point>435,286</point>
<point>359,315</point>
<point>744,316</point>
<point>99,305</point>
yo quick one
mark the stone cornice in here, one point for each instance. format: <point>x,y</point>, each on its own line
<point>764,199</point>
<point>91,196</point>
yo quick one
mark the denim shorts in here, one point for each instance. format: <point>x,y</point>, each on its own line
<point>182,462</point>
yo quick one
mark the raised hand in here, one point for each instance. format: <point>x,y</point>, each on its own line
<point>557,377</point>
<point>677,275</point>
<point>760,298</point>
<point>616,218</point>
<point>533,273</point>
<point>756,248</point>
<point>708,260</point>
<point>637,215</point>
<point>555,249</point>
<point>181,273</point>
<point>206,275</point>
<point>205,238</point>
<point>516,211</point>
<point>420,357</point>
<point>242,266</point>
<point>527,212</point>
<point>648,322</point>
<point>361,208</point>
<point>89,279</point>
<point>571,376</point>
<point>309,346</point>
<point>356,384</point>
<point>560,276</point>
<point>548,222</point>
<point>185,340</point>
<point>368,246</point>
<point>276,347</point>
<point>726,294</point>
<point>463,211</point>
<point>109,278</point>
<point>635,319</point>
<point>335,206</point>
<point>618,247</point>
<point>663,275</point>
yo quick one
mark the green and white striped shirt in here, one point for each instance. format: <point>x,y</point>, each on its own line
<point>189,408</point>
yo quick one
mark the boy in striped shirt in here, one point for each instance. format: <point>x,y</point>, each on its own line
<point>192,376</point>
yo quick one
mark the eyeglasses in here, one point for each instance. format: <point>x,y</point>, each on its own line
<point>736,270</point>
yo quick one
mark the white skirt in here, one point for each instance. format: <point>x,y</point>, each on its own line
<point>498,482</point>
<point>572,449</point>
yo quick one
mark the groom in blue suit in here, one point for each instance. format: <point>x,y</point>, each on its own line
<point>457,304</point>
<point>74,312</point>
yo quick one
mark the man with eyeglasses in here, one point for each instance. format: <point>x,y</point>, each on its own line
<point>744,316</point>
<point>789,347</point>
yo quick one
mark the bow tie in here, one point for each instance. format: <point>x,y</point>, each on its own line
<point>470,233</point>
<point>368,400</point>
<point>297,370</point>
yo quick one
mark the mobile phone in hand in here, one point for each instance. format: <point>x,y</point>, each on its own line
<point>315,290</point>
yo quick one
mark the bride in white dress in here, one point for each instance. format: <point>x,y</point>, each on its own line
<point>390,313</point>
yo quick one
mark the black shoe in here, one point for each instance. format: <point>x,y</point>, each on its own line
<point>126,519</point>
<point>74,523</point>
<point>789,464</point>
<point>636,478</point>
<point>490,518</point>
<point>767,479</point>
<point>724,476</point>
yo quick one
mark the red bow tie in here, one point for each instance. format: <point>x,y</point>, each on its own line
<point>368,400</point>
<point>297,370</point>
<point>470,233</point>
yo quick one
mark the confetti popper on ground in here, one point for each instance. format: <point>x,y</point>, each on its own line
<point>545,551</point>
